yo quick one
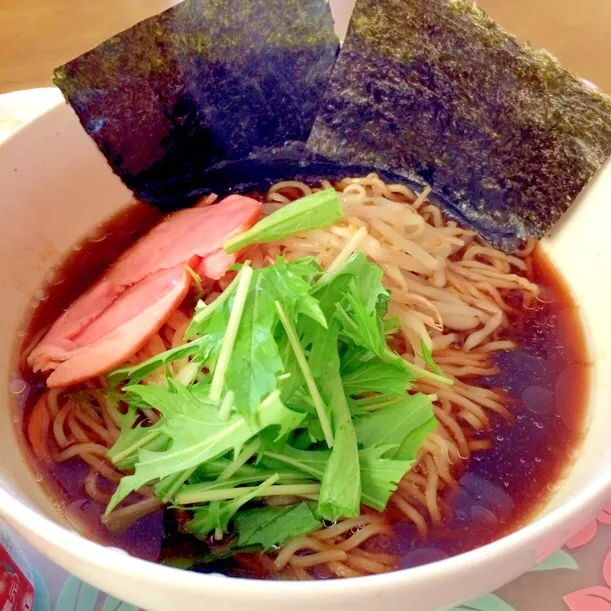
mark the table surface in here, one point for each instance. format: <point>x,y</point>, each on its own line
<point>38,35</point>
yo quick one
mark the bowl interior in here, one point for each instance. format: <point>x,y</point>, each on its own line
<point>56,187</point>
<point>53,198</point>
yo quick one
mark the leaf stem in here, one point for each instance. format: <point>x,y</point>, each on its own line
<point>117,458</point>
<point>425,373</point>
<point>226,405</point>
<point>246,454</point>
<point>218,379</point>
<point>371,405</point>
<point>319,404</point>
<point>192,497</point>
<point>351,246</point>
<point>316,473</point>
<point>189,372</point>
<point>178,481</point>
<point>197,279</point>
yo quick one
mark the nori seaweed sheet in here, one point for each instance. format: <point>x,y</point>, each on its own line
<point>438,92</point>
<point>202,83</point>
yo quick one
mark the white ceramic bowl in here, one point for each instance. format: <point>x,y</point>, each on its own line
<point>54,187</point>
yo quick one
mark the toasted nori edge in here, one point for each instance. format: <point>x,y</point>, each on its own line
<point>295,161</point>
<point>438,92</point>
<point>204,82</point>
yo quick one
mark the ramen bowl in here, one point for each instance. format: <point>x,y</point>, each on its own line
<point>56,187</point>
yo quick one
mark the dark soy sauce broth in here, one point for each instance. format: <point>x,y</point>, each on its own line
<point>547,377</point>
<point>500,489</point>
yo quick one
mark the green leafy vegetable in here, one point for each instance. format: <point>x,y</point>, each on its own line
<point>252,361</point>
<point>391,325</point>
<point>256,360</point>
<point>229,339</point>
<point>259,475</point>
<point>365,329</point>
<point>211,317</point>
<point>217,515</point>
<point>408,450</point>
<point>302,397</point>
<point>395,423</point>
<point>314,211</point>
<point>212,470</point>
<point>133,438</point>
<point>191,497</point>
<point>368,286</point>
<point>166,488</point>
<point>380,476</point>
<point>312,462</point>
<point>377,376</point>
<point>379,473</point>
<point>372,403</point>
<point>136,373</point>
<point>269,527</point>
<point>292,380</point>
<point>340,494</point>
<point>171,400</point>
<point>198,435</point>
<point>321,408</point>
<point>427,356</point>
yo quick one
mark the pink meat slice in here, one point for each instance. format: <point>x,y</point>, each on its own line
<point>111,321</point>
<point>123,329</point>
<point>215,265</point>
<point>196,232</point>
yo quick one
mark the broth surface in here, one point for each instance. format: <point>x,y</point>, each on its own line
<point>501,488</point>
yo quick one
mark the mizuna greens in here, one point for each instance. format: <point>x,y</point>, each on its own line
<point>290,390</point>
<point>320,209</point>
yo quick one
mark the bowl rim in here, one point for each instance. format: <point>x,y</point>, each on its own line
<point>585,503</point>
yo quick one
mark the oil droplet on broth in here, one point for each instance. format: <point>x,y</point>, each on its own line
<point>539,400</point>
<point>98,237</point>
<point>545,295</point>
<point>40,295</point>
<point>17,386</point>
<point>50,275</point>
<point>555,486</point>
